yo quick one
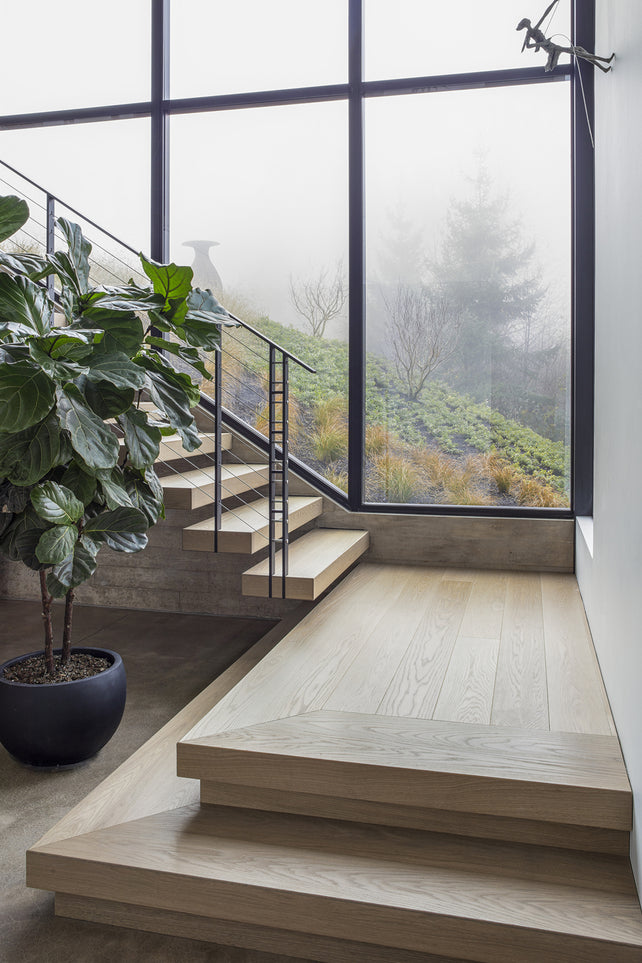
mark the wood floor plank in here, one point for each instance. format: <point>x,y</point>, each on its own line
<point>520,697</point>
<point>467,692</point>
<point>364,684</point>
<point>485,610</point>
<point>576,696</point>
<point>303,671</point>
<point>415,687</point>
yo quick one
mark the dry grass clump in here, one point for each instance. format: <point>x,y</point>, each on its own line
<point>329,441</point>
<point>455,483</point>
<point>378,440</point>
<point>295,420</point>
<point>533,493</point>
<point>499,471</point>
<point>338,478</point>
<point>397,476</point>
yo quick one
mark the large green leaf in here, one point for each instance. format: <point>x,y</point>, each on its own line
<point>56,544</point>
<point>73,265</point>
<point>20,540</point>
<point>172,399</point>
<point>26,303</point>
<point>113,488</point>
<point>126,298</point>
<point>145,498</point>
<point>6,518</point>
<point>14,212</point>
<point>141,439</point>
<point>116,368</point>
<point>123,332</point>
<point>70,344</point>
<point>104,399</point>
<point>123,529</point>
<point>189,355</point>
<point>27,456</point>
<point>96,444</point>
<point>26,395</point>
<point>12,497</point>
<point>202,333</point>
<point>30,264</point>
<point>75,569</point>
<point>79,482</point>
<point>172,282</point>
<point>60,371</point>
<point>56,503</point>
<point>202,303</point>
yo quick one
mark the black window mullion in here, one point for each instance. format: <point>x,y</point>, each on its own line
<point>356,240</point>
<point>159,245</point>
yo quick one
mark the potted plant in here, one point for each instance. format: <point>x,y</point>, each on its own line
<point>77,455</point>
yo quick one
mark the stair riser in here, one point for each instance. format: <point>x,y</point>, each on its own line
<point>518,799</point>
<point>557,835</point>
<point>471,939</point>
<point>246,543</point>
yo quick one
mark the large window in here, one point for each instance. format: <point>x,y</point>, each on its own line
<point>383,188</point>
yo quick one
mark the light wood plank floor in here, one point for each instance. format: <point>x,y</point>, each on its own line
<point>507,649</point>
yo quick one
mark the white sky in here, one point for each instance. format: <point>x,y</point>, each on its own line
<point>270,184</point>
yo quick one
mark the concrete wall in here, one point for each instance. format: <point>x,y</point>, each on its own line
<point>611,578</point>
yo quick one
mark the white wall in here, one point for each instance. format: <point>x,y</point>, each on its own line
<point>611,581</point>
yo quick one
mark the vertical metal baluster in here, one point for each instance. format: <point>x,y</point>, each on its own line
<point>50,239</point>
<point>272,469</point>
<point>218,456</point>
<point>285,472</point>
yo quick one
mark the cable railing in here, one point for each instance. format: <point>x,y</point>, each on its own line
<point>250,380</point>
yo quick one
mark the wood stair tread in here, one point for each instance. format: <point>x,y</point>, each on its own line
<point>314,561</point>
<point>498,901</point>
<point>245,528</point>
<point>556,777</point>
<point>190,489</point>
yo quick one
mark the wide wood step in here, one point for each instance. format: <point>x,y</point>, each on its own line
<point>172,449</point>
<point>315,561</point>
<point>405,890</point>
<point>517,774</point>
<point>245,528</point>
<point>191,489</point>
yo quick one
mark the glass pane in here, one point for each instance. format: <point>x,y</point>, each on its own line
<point>468,272</point>
<point>264,223</point>
<point>74,54</point>
<point>222,47</point>
<point>418,38</point>
<point>102,170</point>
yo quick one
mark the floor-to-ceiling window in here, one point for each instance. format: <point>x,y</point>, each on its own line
<point>383,188</point>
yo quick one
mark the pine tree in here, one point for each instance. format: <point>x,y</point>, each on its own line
<point>485,269</point>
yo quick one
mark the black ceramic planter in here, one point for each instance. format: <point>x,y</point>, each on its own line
<point>64,723</point>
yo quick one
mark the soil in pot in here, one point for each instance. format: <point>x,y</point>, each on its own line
<point>33,670</point>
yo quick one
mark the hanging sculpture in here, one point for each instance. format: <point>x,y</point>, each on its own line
<point>535,39</point>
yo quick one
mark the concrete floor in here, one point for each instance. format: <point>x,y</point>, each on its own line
<point>169,659</point>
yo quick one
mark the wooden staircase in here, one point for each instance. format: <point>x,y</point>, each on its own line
<point>372,836</point>
<point>316,559</point>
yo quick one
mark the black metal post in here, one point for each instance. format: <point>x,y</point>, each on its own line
<point>50,226</point>
<point>159,241</point>
<point>285,457</point>
<point>218,456</point>
<point>357,339</point>
<point>583,293</point>
<point>271,470</point>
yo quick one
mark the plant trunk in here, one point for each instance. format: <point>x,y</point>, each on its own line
<point>46,618</point>
<point>66,635</point>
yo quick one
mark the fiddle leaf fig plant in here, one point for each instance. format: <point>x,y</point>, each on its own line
<point>77,450</point>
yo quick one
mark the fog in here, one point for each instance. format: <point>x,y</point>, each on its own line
<point>270,184</point>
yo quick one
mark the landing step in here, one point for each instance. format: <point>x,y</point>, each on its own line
<point>415,892</point>
<point>315,561</point>
<point>512,773</point>
<point>191,489</point>
<point>245,529</point>
<point>171,447</point>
